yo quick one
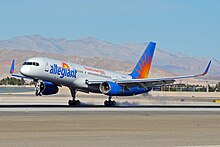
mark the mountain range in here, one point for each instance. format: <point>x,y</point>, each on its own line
<point>103,54</point>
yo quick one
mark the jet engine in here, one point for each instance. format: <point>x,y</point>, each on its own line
<point>110,88</point>
<point>46,88</point>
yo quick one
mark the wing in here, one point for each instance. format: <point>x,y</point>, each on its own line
<point>152,82</point>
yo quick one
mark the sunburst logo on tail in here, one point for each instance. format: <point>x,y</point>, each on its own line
<point>144,67</point>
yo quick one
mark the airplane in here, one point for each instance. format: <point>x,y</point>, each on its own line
<point>50,74</point>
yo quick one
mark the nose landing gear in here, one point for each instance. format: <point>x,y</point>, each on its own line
<point>39,88</point>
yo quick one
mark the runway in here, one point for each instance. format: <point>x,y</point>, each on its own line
<point>151,109</point>
<point>26,120</point>
<point>37,126</point>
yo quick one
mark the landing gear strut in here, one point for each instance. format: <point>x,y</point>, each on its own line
<point>39,87</point>
<point>73,102</point>
<point>109,102</point>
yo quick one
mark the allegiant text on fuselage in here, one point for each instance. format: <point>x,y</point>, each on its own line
<point>62,72</point>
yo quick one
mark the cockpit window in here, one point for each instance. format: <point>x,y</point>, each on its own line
<point>31,63</point>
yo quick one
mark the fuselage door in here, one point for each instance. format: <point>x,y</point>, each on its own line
<point>46,65</point>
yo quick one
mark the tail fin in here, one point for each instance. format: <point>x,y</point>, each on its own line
<point>142,68</point>
<point>12,70</point>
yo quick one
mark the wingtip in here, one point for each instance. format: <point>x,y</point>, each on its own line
<point>207,68</point>
<point>153,43</point>
<point>12,67</point>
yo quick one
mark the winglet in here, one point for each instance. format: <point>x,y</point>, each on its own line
<point>12,70</point>
<point>207,68</point>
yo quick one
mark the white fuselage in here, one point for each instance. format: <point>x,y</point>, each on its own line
<point>67,74</point>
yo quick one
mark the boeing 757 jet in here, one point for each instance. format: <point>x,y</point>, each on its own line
<point>50,74</point>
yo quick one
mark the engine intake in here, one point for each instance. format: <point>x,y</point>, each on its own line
<point>46,88</point>
<point>110,88</point>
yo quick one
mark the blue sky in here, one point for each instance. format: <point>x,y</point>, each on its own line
<point>188,26</point>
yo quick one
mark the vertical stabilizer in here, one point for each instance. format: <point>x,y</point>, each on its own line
<point>142,68</point>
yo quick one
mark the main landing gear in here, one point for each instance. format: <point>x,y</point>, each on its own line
<point>73,102</point>
<point>109,102</point>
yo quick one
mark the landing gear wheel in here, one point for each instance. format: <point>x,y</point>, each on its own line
<point>114,103</point>
<point>74,103</point>
<point>110,103</point>
<point>38,94</point>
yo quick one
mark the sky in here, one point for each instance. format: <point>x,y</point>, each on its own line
<point>188,26</point>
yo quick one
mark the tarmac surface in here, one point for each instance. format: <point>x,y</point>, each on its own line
<point>109,127</point>
<point>26,120</point>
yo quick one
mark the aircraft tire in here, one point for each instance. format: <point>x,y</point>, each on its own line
<point>110,103</point>
<point>113,103</point>
<point>106,103</point>
<point>37,93</point>
<point>74,103</point>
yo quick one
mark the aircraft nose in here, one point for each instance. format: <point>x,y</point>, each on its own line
<point>25,70</point>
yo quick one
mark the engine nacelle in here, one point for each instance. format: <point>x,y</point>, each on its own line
<point>110,88</point>
<point>48,88</point>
